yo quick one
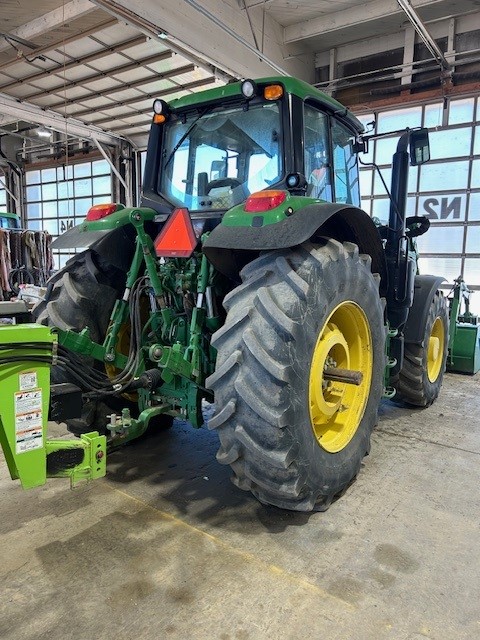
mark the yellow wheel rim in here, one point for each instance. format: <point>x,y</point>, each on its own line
<point>436,348</point>
<point>337,408</point>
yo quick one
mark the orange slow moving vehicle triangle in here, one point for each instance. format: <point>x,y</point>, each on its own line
<point>177,239</point>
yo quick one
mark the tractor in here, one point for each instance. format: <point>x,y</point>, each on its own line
<point>248,277</point>
<point>9,221</point>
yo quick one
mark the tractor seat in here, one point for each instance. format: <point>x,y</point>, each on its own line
<point>221,191</point>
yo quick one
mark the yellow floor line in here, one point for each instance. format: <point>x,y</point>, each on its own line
<point>272,568</point>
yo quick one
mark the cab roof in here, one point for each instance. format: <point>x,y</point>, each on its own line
<point>291,85</point>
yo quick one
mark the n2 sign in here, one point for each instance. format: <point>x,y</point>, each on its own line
<point>448,208</point>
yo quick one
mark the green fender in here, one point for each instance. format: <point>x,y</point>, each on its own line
<point>229,248</point>
<point>112,237</point>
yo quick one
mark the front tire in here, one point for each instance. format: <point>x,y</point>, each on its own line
<point>420,379</point>
<point>296,312</point>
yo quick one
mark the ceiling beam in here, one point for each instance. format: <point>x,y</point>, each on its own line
<point>138,64</point>
<point>368,18</point>
<point>131,127</point>
<point>130,85</point>
<point>70,126</point>
<point>218,32</point>
<point>51,20</point>
<point>52,46</point>
<point>61,68</point>
<point>423,33</point>
<point>189,86</point>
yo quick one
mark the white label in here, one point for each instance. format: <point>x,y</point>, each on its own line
<point>28,420</point>
<point>28,380</point>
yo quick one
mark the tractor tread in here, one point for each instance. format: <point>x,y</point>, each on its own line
<point>276,316</point>
<point>223,415</point>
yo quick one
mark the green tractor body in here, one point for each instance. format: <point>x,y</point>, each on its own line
<point>250,277</point>
<point>9,221</point>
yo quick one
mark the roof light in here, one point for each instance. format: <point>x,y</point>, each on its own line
<point>160,106</point>
<point>99,211</point>
<point>292,180</point>
<point>273,92</point>
<point>264,201</point>
<point>177,239</point>
<point>249,89</point>
<point>161,111</point>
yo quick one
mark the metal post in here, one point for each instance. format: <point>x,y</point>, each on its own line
<point>128,195</point>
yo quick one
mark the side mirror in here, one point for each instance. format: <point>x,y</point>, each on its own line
<point>419,147</point>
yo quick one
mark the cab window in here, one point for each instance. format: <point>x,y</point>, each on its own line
<point>316,154</point>
<point>216,159</point>
<point>345,167</point>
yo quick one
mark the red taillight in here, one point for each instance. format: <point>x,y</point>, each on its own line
<point>177,239</point>
<point>264,201</point>
<point>99,211</point>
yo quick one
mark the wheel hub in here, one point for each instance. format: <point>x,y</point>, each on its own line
<point>328,395</point>
<point>337,402</point>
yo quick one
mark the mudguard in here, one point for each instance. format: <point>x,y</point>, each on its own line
<point>226,246</point>
<point>425,288</point>
<point>116,246</point>
<point>112,237</point>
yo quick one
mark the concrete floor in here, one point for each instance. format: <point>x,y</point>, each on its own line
<point>166,547</point>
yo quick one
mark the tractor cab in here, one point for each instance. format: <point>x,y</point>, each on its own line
<point>273,134</point>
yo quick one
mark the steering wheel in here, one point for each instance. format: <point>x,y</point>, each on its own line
<point>222,182</point>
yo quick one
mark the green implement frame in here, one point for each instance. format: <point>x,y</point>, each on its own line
<point>27,352</point>
<point>464,341</point>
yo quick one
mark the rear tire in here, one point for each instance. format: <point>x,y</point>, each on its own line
<point>263,390</point>
<point>80,295</point>
<point>420,379</point>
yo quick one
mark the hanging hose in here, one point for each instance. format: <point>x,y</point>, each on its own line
<point>20,276</point>
<point>25,258</point>
<point>95,383</point>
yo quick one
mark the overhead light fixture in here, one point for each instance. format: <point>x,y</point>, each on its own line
<point>44,133</point>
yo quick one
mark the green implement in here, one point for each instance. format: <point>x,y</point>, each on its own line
<point>464,343</point>
<point>26,355</point>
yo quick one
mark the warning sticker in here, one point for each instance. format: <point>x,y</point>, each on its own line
<point>28,380</point>
<point>28,420</point>
<point>27,401</point>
